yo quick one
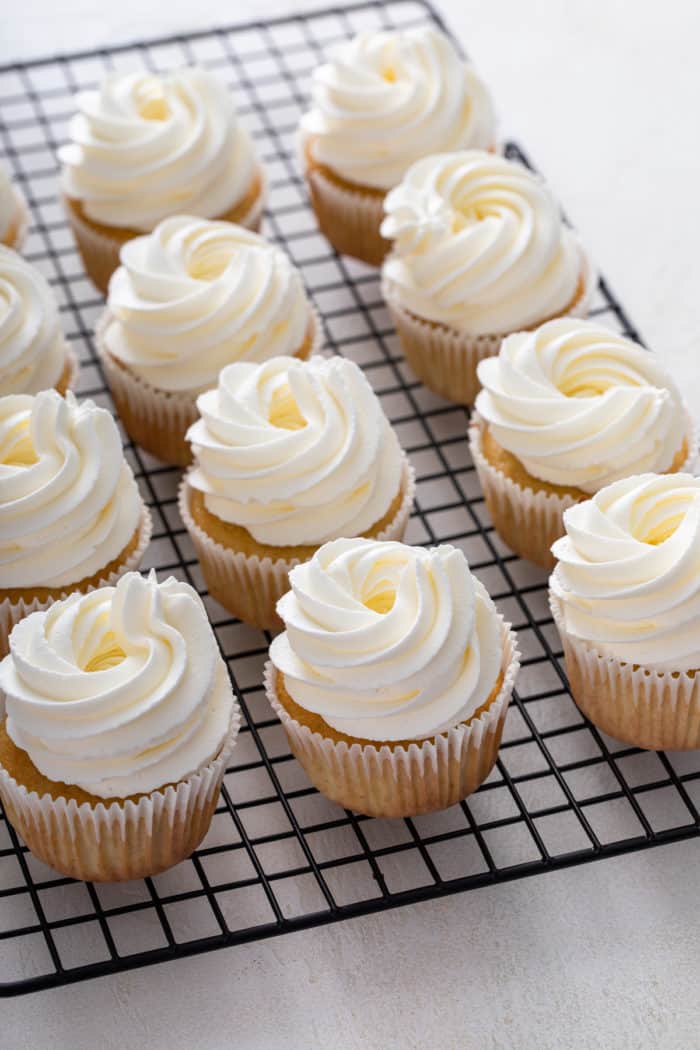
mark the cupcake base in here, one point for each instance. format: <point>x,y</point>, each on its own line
<point>16,233</point>
<point>408,778</point>
<point>655,710</point>
<point>17,603</point>
<point>528,514</point>
<point>99,245</point>
<point>446,360</point>
<point>109,840</point>
<point>158,420</point>
<point>248,580</point>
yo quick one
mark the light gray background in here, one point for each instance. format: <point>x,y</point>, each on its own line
<point>604,96</point>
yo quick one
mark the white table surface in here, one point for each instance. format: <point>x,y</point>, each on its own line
<point>604,96</point>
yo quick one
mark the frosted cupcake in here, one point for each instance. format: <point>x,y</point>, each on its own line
<point>144,147</point>
<point>625,596</point>
<point>187,300</point>
<point>14,214</point>
<point>34,355</point>
<point>120,722</point>
<point>288,455</point>
<point>393,676</point>
<point>384,101</point>
<point>566,410</point>
<point>480,250</point>
<point>71,517</point>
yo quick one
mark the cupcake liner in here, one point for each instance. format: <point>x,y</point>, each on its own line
<point>349,219</point>
<point>659,710</point>
<point>398,781</point>
<point>125,840</point>
<point>12,612</point>
<point>71,370</point>
<point>20,226</point>
<point>446,360</point>
<point>530,520</point>
<point>158,420</point>
<point>248,586</point>
<point>100,250</point>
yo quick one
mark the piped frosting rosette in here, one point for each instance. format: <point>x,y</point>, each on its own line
<point>392,676</point>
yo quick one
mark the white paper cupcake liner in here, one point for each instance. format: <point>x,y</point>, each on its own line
<point>248,586</point>
<point>12,612</point>
<point>397,781</point>
<point>72,369</point>
<point>659,710</point>
<point>349,219</point>
<point>124,840</point>
<point>21,223</point>
<point>158,420</point>
<point>446,360</point>
<point>530,520</point>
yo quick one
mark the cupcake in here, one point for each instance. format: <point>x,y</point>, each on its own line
<point>120,719</point>
<point>188,299</point>
<point>288,454</point>
<point>34,355</point>
<point>393,676</point>
<point>564,411</point>
<point>386,100</point>
<point>144,147</point>
<point>14,214</point>
<point>480,250</point>
<point>71,517</point>
<point>625,595</point>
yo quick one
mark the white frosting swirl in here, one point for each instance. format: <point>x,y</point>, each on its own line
<point>387,641</point>
<point>389,98</point>
<point>580,405</point>
<point>480,245</point>
<point>194,296</point>
<point>628,573</point>
<point>32,348</point>
<point>296,452</point>
<point>120,691</point>
<point>9,206</point>
<point>146,146</point>
<point>69,504</point>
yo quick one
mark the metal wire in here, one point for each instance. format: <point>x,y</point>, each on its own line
<point>279,856</point>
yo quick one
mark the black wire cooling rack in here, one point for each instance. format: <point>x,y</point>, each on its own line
<point>279,856</point>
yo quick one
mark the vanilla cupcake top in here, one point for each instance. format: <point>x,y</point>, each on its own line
<point>479,245</point>
<point>580,405</point>
<point>10,206</point>
<point>32,348</point>
<point>69,504</point>
<point>145,146</point>
<point>388,98</point>
<point>296,452</point>
<point>628,572</point>
<point>194,296</point>
<point>387,641</point>
<point>119,691</point>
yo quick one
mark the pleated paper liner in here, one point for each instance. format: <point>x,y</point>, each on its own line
<point>658,710</point>
<point>128,839</point>
<point>349,218</point>
<point>446,360</point>
<point>12,612</point>
<point>530,520</point>
<point>16,234</point>
<point>99,247</point>
<point>157,420</point>
<point>248,586</point>
<point>387,781</point>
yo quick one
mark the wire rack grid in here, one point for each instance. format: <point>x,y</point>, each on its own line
<point>279,856</point>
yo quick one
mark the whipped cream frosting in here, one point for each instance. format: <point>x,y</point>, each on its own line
<point>580,405</point>
<point>479,245</point>
<point>69,504</point>
<point>32,348</point>
<point>9,204</point>
<point>296,452</point>
<point>387,641</point>
<point>145,146</point>
<point>194,296</point>
<point>120,691</point>
<point>628,572</point>
<point>388,98</point>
